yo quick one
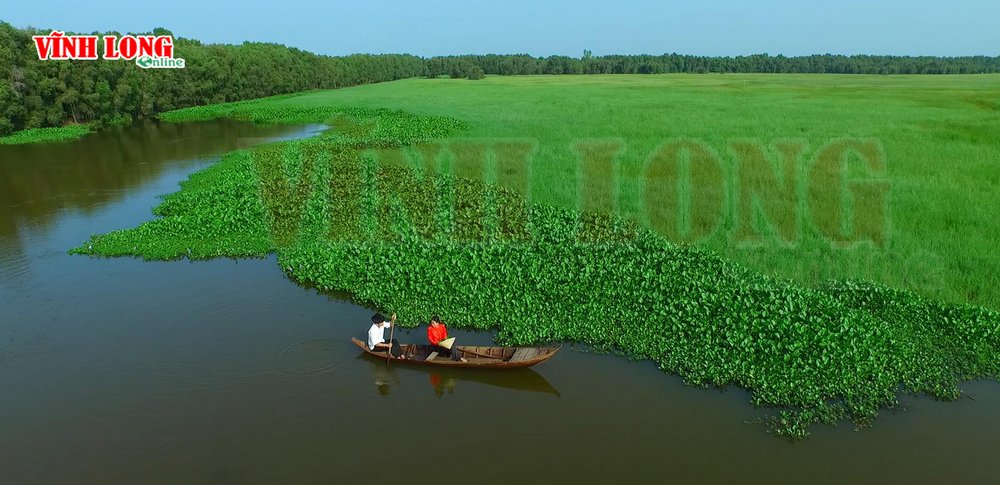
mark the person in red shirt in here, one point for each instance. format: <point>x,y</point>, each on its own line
<point>436,332</point>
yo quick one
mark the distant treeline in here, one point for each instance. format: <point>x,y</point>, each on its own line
<point>36,93</point>
<point>506,65</point>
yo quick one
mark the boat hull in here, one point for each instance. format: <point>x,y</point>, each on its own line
<point>476,357</point>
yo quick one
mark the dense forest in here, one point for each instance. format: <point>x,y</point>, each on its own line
<point>36,93</point>
<point>673,63</point>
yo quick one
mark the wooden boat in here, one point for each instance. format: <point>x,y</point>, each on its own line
<point>522,380</point>
<point>476,357</point>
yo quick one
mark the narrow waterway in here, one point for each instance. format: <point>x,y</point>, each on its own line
<point>223,371</point>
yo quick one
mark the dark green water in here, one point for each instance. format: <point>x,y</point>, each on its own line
<point>123,371</point>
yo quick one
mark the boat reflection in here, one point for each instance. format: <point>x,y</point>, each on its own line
<point>445,381</point>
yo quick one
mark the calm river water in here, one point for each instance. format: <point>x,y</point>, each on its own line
<point>217,372</point>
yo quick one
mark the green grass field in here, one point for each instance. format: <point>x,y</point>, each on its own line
<point>937,133</point>
<point>45,135</point>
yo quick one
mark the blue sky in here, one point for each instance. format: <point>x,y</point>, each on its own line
<point>438,27</point>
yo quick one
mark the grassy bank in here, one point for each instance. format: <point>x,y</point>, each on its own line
<point>44,135</point>
<point>343,215</point>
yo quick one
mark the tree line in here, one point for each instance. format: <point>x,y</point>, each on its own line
<point>520,64</point>
<point>36,93</point>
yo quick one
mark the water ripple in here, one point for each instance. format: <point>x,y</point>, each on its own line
<point>308,357</point>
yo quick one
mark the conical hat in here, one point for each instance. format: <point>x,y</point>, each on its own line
<point>447,343</point>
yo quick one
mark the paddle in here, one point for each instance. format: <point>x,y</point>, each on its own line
<point>392,328</point>
<point>473,352</point>
<point>449,342</point>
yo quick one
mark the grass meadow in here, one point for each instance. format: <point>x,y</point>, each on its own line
<point>936,138</point>
<point>45,135</point>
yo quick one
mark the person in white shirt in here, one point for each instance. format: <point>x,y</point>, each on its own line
<point>376,337</point>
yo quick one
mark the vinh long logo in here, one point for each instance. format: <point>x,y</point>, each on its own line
<point>148,51</point>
